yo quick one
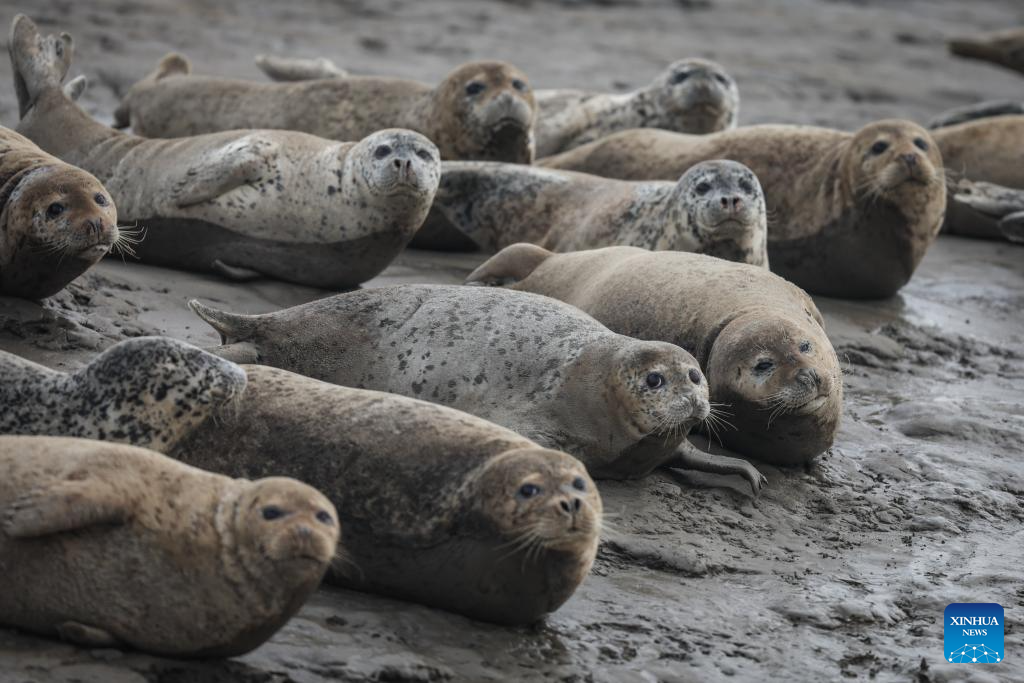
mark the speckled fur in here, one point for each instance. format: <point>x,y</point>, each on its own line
<point>148,391</point>
<point>293,188</point>
<point>706,100</point>
<point>529,363</point>
<point>495,124</point>
<point>842,221</point>
<point>731,316</point>
<point>431,511</point>
<point>110,545</point>
<point>500,204</point>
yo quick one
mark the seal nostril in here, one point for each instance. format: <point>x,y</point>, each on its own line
<point>564,504</point>
<point>725,202</point>
<point>397,163</point>
<point>576,504</point>
<point>694,375</point>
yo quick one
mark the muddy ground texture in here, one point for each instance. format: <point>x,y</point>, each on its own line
<point>838,571</point>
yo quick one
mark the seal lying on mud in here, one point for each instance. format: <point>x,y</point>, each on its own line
<point>481,110</point>
<point>148,391</point>
<point>760,339</point>
<point>109,545</point>
<point>690,96</point>
<point>986,210</point>
<point>244,203</point>
<point>535,365</point>
<point>448,510</point>
<point>56,221</point>
<point>716,208</point>
<point>852,214</point>
<point>1005,48</point>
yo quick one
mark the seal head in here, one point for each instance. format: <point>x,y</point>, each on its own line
<point>396,165</point>
<point>722,199</point>
<point>696,96</point>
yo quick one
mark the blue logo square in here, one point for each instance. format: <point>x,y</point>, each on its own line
<point>973,633</point>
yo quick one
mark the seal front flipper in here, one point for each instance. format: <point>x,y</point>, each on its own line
<point>223,169</point>
<point>510,265</point>
<point>688,457</point>
<point>66,505</point>
<point>86,635</point>
<point>296,69</point>
<point>236,273</point>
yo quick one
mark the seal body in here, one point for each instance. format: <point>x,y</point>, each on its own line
<point>690,96</point>
<point>716,208</point>
<point>482,110</point>
<point>242,203</point>
<point>56,220</point>
<point>759,338</point>
<point>984,150</point>
<point>449,510</point>
<point>852,214</point>
<point>1005,48</point>
<point>529,363</point>
<point>111,545</point>
<point>147,391</point>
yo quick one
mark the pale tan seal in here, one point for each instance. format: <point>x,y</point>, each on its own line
<point>56,220</point>
<point>481,110</point>
<point>716,208</point>
<point>1005,48</point>
<point>759,338</point>
<point>111,545</point>
<point>690,96</point>
<point>148,391</point>
<point>850,214</point>
<point>438,506</point>
<point>244,203</point>
<point>529,363</point>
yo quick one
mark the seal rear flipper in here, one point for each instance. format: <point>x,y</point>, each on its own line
<point>688,457</point>
<point>39,62</point>
<point>86,635</point>
<point>66,506</point>
<point>509,266</point>
<point>232,327</point>
<point>295,69</point>
<point>1012,227</point>
<point>222,170</point>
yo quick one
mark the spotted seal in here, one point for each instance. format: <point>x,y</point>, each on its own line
<point>760,339</point>
<point>243,203</point>
<point>111,545</point>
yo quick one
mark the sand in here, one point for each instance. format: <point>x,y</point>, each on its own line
<point>839,571</point>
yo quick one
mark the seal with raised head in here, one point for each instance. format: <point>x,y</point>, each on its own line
<point>450,510</point>
<point>851,214</point>
<point>56,220</point>
<point>760,339</point>
<point>481,110</point>
<point>1005,48</point>
<point>148,391</point>
<point>535,365</point>
<point>243,203</point>
<point>716,208</point>
<point>109,545</point>
<point>690,96</point>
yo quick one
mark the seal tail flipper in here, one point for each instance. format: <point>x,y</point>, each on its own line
<point>39,62</point>
<point>172,64</point>
<point>294,69</point>
<point>509,266</point>
<point>232,327</point>
<point>75,87</point>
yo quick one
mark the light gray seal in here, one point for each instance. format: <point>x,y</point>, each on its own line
<point>243,203</point>
<point>535,365</point>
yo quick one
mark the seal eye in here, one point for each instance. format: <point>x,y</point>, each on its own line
<point>921,144</point>
<point>528,490</point>
<point>579,484</point>
<point>763,366</point>
<point>680,77</point>
<point>54,210</point>
<point>382,151</point>
<point>655,380</point>
<point>272,512</point>
<point>475,88</point>
<point>721,79</point>
<point>100,200</point>
<point>879,147</point>
<point>703,188</point>
<point>424,154</point>
<point>805,347</point>
<point>324,517</point>
<point>746,186</point>
<point>518,84</point>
